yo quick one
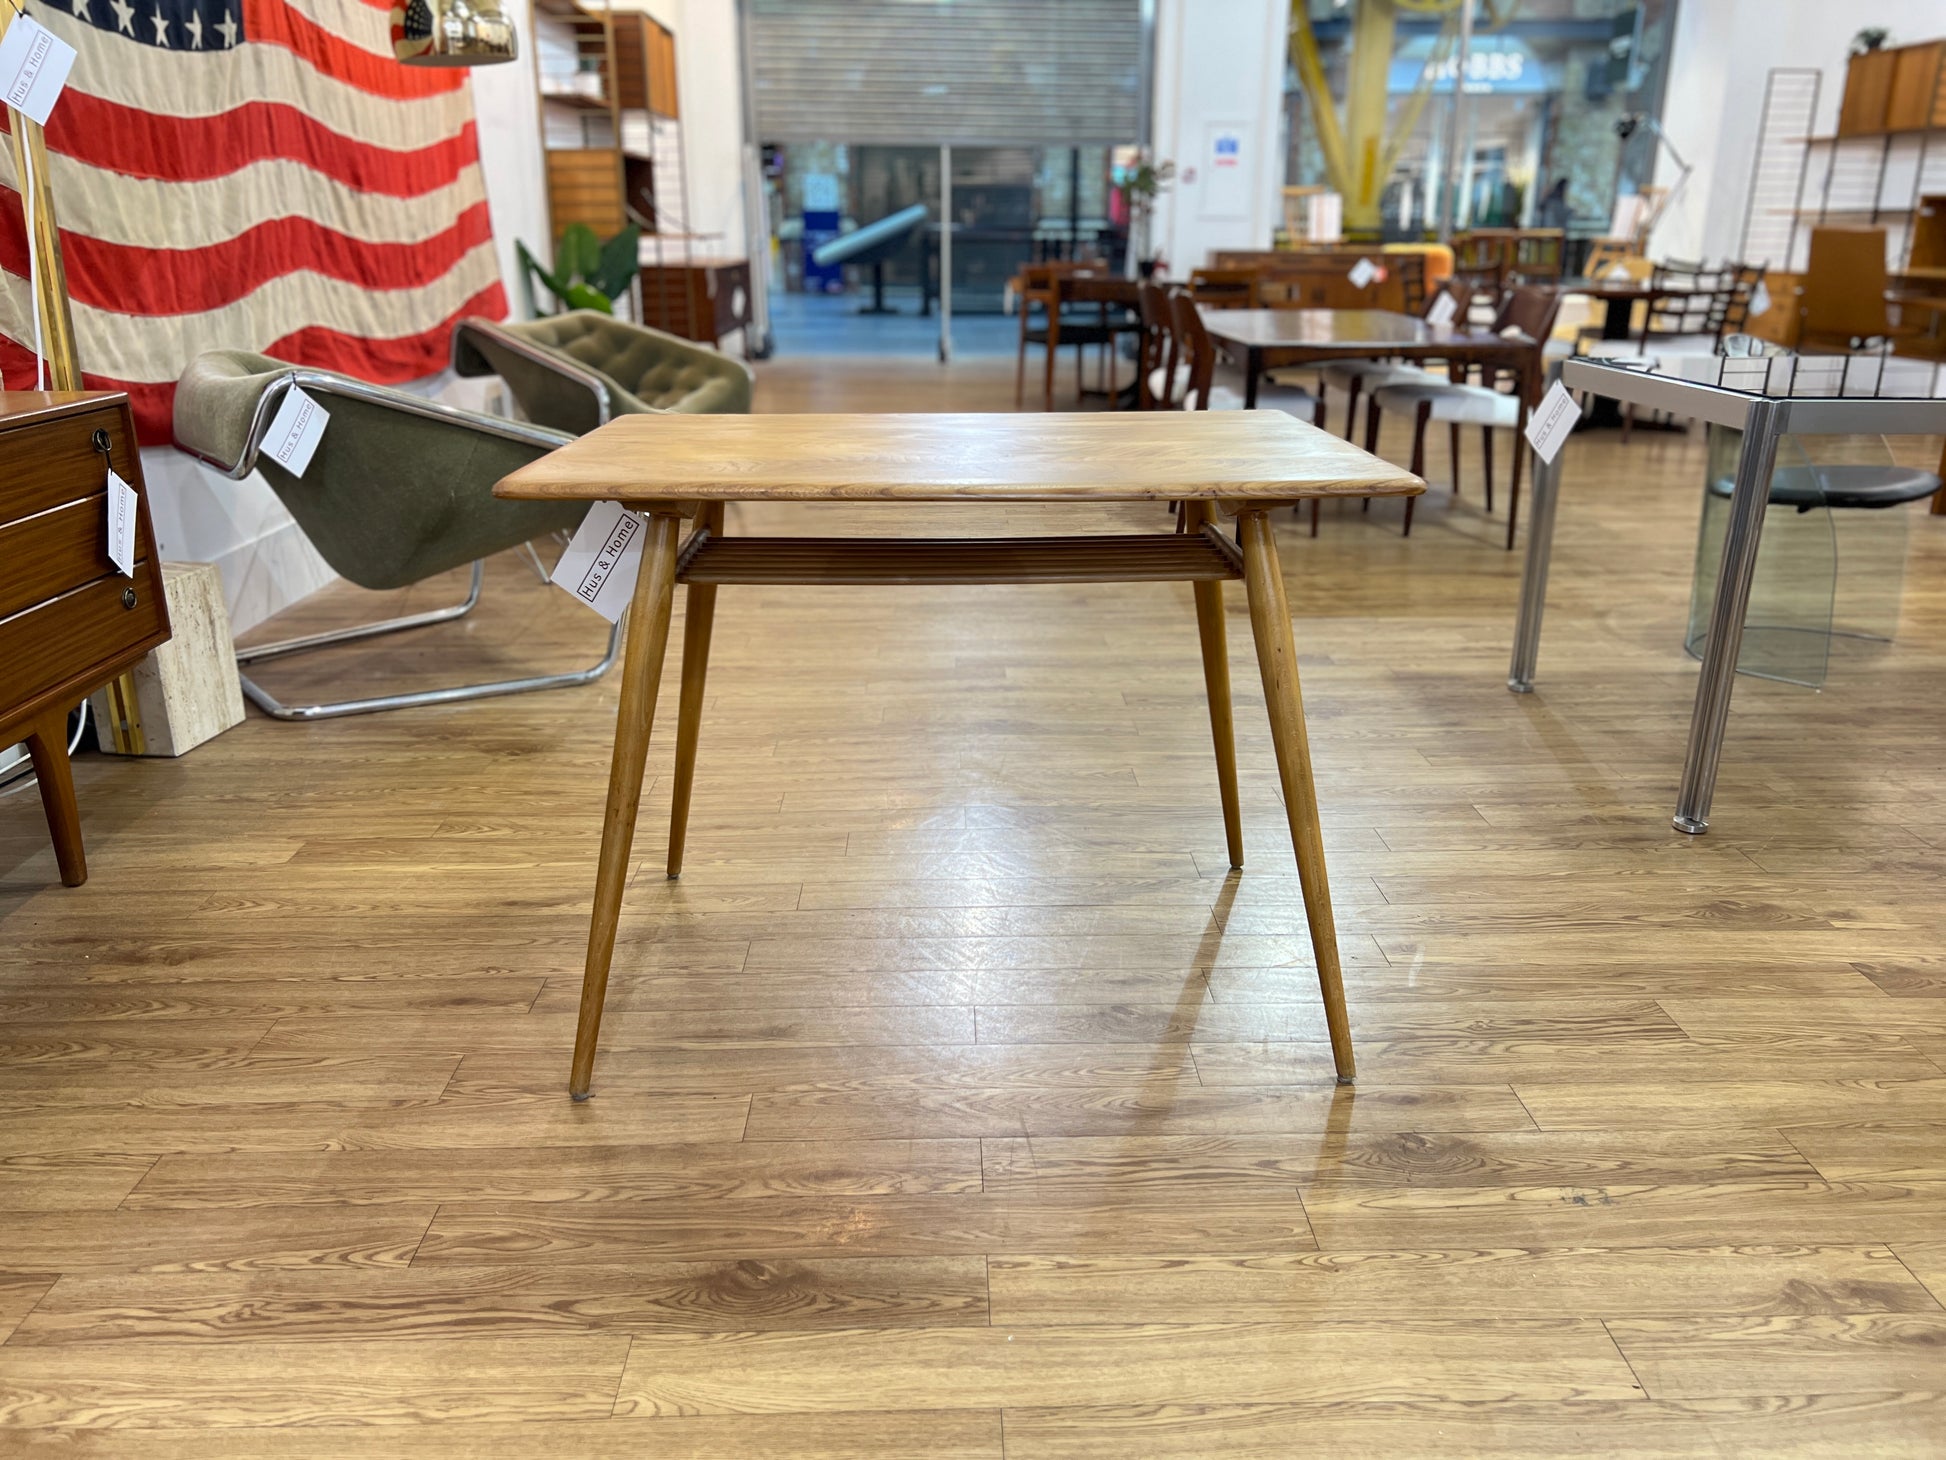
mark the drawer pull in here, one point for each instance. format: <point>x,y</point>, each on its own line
<point>128,598</point>
<point>100,439</point>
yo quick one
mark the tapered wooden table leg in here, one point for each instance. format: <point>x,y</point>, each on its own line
<point>1270,621</point>
<point>1216,681</point>
<point>47,743</point>
<point>699,613</point>
<point>648,642</point>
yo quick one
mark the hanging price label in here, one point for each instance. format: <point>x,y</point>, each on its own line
<point>121,525</point>
<point>295,431</point>
<point>34,66</point>
<point>1444,307</point>
<point>1362,273</point>
<point>602,559</point>
<point>1552,423</point>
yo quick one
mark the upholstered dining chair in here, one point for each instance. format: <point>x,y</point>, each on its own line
<point>1529,312</point>
<point>1355,376</point>
<point>400,489</point>
<point>573,371</point>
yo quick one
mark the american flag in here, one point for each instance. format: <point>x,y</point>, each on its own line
<point>252,174</point>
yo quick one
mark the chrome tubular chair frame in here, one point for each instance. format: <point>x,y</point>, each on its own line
<point>560,365</point>
<point>322,385</point>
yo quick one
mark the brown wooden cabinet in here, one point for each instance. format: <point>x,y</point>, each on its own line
<point>1902,89</point>
<point>69,620</point>
<point>701,301</point>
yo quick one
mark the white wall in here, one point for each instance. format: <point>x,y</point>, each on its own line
<point>1219,67</point>
<point>1723,53</point>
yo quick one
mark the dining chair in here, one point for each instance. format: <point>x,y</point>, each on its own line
<point>1361,373</point>
<point>1529,312</point>
<point>1539,254</point>
<point>1038,291</point>
<point>1688,320</point>
<point>1161,376</point>
<point>1089,307</point>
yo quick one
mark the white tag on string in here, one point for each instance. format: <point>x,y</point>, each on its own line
<point>295,431</point>
<point>34,66</point>
<point>121,525</point>
<point>1620,274</point>
<point>1362,273</point>
<point>1759,300</point>
<point>1443,309</point>
<point>1551,424</point>
<point>602,559</point>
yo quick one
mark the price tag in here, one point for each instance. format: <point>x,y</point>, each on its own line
<point>602,559</point>
<point>1619,273</point>
<point>1444,307</point>
<point>1759,300</point>
<point>34,66</point>
<point>1362,273</point>
<point>1550,425</point>
<point>295,431</point>
<point>121,525</point>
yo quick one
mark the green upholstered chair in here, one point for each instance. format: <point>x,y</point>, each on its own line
<point>574,371</point>
<point>400,489</point>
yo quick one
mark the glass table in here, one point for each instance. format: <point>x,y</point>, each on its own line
<point>1765,398</point>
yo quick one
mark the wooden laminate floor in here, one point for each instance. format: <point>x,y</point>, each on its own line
<point>958,1101</point>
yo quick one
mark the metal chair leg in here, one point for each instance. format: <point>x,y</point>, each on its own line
<point>334,709</point>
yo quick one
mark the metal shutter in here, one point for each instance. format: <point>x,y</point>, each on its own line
<point>944,72</point>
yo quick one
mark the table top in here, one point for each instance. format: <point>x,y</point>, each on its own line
<point>1623,288</point>
<point>1118,456</point>
<point>1341,329</point>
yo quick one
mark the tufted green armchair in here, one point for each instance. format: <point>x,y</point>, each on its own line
<point>574,371</point>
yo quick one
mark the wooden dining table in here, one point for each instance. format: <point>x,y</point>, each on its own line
<point>1217,465</point>
<point>1260,340</point>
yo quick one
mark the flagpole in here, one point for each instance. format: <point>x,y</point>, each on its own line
<point>37,209</point>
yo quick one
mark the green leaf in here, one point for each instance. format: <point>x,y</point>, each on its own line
<point>579,256</point>
<point>619,261</point>
<point>556,285</point>
<point>584,296</point>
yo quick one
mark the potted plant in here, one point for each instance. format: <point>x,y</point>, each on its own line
<point>587,273</point>
<point>1141,185</point>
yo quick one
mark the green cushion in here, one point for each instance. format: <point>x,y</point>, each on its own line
<point>392,495</point>
<point>645,370</point>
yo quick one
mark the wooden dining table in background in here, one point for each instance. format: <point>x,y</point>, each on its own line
<point>1259,340</point>
<point>1216,464</point>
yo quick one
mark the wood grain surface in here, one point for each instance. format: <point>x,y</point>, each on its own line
<point>1113,457</point>
<point>960,1102</point>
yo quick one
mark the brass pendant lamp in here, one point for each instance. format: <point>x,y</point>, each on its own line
<point>452,33</point>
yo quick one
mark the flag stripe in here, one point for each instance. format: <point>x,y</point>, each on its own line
<point>386,361</point>
<point>213,83</point>
<point>141,213</point>
<point>183,149</point>
<point>267,178</point>
<point>271,22</point>
<point>181,281</point>
<point>156,347</point>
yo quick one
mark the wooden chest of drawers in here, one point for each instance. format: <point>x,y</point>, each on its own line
<point>69,620</point>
